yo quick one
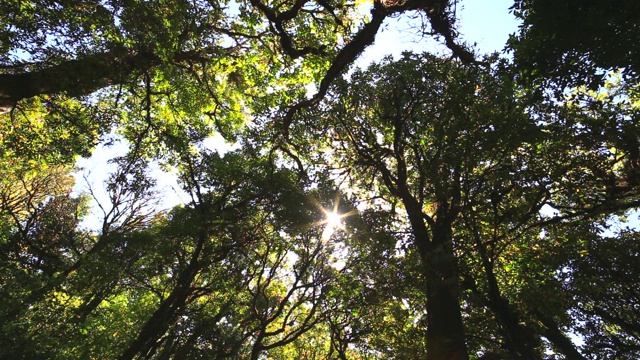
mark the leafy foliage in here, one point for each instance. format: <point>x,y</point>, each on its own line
<point>479,214</point>
<point>576,40</point>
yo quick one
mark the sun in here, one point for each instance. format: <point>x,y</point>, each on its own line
<point>334,219</point>
<point>332,222</point>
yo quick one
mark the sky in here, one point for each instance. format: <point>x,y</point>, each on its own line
<point>487,24</point>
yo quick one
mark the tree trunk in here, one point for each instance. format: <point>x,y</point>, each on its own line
<point>445,329</point>
<point>520,341</point>
<point>557,338</point>
<point>445,332</point>
<point>168,310</point>
<point>158,323</point>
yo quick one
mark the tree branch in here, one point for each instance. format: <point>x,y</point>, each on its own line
<point>75,77</point>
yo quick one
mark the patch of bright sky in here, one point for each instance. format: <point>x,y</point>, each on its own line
<point>92,173</point>
<point>487,24</point>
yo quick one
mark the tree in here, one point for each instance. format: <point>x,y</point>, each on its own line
<point>605,295</point>
<point>576,41</point>
<point>414,146</point>
<point>472,163</point>
<point>194,57</point>
<point>228,276</point>
<point>376,303</point>
<point>39,219</point>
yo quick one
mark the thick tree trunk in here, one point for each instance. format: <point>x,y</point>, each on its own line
<point>74,77</point>
<point>445,332</point>
<point>158,324</point>
<point>257,349</point>
<point>445,329</point>
<point>445,335</point>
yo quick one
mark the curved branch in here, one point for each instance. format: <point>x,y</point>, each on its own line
<point>441,22</point>
<point>344,58</point>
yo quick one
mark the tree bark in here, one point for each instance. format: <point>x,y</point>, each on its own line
<point>445,329</point>
<point>158,323</point>
<point>445,335</point>
<point>445,332</point>
<point>74,77</point>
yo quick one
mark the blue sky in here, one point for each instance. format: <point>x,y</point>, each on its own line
<point>487,24</point>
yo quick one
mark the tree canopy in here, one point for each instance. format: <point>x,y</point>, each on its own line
<point>433,205</point>
<point>576,42</point>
